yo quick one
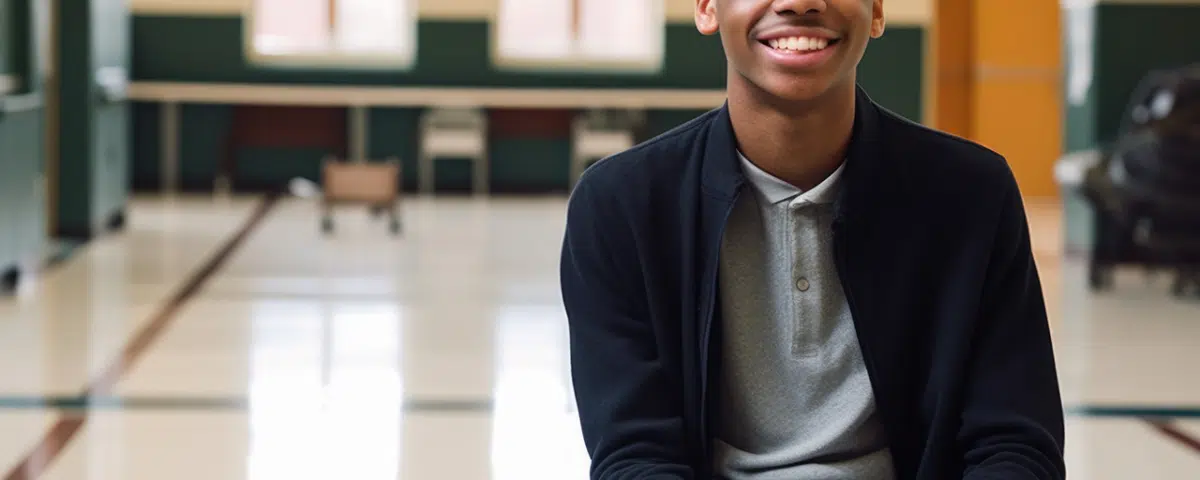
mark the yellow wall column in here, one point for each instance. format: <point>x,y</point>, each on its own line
<point>999,80</point>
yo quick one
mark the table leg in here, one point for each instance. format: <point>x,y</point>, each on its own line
<point>358,133</point>
<point>169,145</point>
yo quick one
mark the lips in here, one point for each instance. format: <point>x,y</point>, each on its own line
<point>796,46</point>
<point>799,53</point>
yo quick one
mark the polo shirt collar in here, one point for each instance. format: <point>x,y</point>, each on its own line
<point>775,190</point>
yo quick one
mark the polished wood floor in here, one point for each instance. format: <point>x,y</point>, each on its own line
<point>228,339</point>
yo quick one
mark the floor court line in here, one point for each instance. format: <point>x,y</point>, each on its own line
<point>1176,434</point>
<point>1166,411</point>
<point>35,463</point>
<point>51,445</point>
<point>215,403</point>
<point>415,404</point>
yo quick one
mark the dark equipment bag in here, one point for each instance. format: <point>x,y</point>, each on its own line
<point>1145,189</point>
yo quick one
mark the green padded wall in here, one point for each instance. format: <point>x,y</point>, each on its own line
<point>8,37</point>
<point>94,136</point>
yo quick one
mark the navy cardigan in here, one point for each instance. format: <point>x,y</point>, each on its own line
<point>932,248</point>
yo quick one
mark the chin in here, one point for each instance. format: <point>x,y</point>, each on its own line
<point>797,88</point>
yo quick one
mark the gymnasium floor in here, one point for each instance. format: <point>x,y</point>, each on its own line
<point>227,339</point>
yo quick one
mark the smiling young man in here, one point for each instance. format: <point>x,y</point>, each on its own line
<point>802,285</point>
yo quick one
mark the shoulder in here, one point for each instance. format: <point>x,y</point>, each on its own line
<point>942,168</point>
<point>631,178</point>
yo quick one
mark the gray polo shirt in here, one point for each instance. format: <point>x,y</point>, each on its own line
<point>796,401</point>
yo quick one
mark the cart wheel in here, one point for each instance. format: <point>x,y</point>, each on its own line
<point>1151,274</point>
<point>326,225</point>
<point>10,280</point>
<point>1179,286</point>
<point>1183,282</point>
<point>1100,278</point>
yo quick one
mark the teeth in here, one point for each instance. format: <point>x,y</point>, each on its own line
<point>799,44</point>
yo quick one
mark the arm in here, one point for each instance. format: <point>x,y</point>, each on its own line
<point>1012,425</point>
<point>627,402</point>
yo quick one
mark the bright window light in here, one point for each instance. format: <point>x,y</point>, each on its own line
<point>337,30</point>
<point>615,34</point>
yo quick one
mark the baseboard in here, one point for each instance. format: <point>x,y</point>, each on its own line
<point>113,222</point>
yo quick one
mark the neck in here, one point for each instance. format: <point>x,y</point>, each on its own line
<point>801,143</point>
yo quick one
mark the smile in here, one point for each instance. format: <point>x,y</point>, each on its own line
<point>799,44</point>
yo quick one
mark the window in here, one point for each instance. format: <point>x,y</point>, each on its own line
<point>343,32</point>
<point>608,34</point>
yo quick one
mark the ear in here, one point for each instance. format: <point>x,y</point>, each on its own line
<point>706,16</point>
<point>878,21</point>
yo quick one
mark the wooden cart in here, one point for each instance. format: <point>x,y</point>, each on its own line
<point>374,184</point>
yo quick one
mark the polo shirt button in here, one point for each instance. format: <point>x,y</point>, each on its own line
<point>802,284</point>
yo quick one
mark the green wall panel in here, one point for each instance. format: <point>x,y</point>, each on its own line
<point>450,53</point>
<point>268,167</point>
<point>202,146</point>
<point>17,41</point>
<point>531,164</point>
<point>1132,40</point>
<point>392,133</point>
<point>8,37</point>
<point>1129,40</point>
<point>75,165</point>
<point>892,70</point>
<point>144,134</point>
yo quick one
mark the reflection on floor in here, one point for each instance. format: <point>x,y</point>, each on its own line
<point>437,355</point>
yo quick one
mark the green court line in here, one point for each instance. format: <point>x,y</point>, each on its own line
<point>211,403</point>
<point>241,403</point>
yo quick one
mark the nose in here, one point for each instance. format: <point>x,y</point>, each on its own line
<point>799,7</point>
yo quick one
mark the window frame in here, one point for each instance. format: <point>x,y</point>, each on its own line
<point>579,63</point>
<point>402,60</point>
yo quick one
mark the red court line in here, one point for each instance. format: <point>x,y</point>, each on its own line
<point>38,460</point>
<point>1176,434</point>
<point>53,443</point>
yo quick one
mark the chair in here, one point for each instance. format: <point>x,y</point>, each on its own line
<point>454,133</point>
<point>596,135</point>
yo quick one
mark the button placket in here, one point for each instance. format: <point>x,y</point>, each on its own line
<point>804,324</point>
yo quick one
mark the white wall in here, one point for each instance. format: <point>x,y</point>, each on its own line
<point>899,12</point>
<point>909,12</point>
